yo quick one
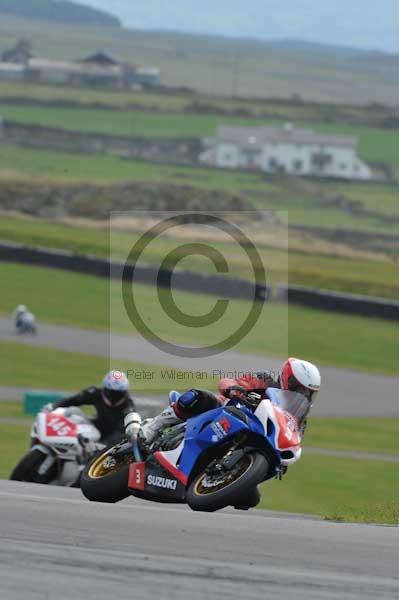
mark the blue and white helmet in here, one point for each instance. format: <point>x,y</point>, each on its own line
<point>115,388</point>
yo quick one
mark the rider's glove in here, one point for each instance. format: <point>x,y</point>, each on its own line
<point>252,400</point>
<point>47,407</point>
<point>132,424</point>
<point>235,392</point>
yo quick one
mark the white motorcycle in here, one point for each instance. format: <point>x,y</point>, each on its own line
<point>62,442</point>
<point>26,323</point>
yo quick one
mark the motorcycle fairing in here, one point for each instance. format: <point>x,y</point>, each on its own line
<point>282,430</point>
<point>152,480</point>
<point>213,428</point>
<point>55,428</point>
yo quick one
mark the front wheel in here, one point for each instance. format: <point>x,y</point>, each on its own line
<point>216,488</point>
<point>105,479</point>
<point>28,468</point>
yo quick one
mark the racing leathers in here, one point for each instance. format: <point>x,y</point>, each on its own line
<point>109,420</point>
<point>189,404</point>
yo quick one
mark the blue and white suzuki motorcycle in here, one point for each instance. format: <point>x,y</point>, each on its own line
<point>211,461</point>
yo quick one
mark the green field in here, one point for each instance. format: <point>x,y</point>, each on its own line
<point>374,144</point>
<point>359,435</point>
<point>337,488</point>
<point>328,338</point>
<point>307,202</point>
<point>48,368</point>
<point>343,273</point>
<point>188,102</point>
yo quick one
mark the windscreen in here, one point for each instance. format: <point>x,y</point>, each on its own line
<point>293,402</point>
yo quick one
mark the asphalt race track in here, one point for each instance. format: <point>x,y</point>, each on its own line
<point>345,392</point>
<point>57,545</point>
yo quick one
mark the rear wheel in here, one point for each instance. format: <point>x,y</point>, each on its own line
<point>28,467</point>
<point>105,479</point>
<point>217,487</point>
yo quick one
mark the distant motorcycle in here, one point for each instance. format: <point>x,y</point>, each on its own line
<point>26,323</point>
<point>209,462</point>
<point>61,443</point>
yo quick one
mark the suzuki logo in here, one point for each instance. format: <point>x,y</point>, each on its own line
<point>162,482</point>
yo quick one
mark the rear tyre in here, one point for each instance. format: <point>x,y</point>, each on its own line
<point>211,491</point>
<point>105,478</point>
<point>28,467</point>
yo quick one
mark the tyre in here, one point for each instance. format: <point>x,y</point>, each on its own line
<point>216,489</point>
<point>28,466</point>
<point>105,478</point>
<point>250,499</point>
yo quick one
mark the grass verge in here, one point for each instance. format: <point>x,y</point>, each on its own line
<point>39,367</point>
<point>339,489</point>
<point>359,435</point>
<point>339,272</point>
<point>14,443</point>
<point>328,338</point>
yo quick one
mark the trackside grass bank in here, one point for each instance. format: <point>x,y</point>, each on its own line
<point>40,367</point>
<point>337,488</point>
<point>354,434</point>
<point>324,337</point>
<point>370,275</point>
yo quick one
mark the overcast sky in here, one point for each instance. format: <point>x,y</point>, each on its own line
<point>367,24</point>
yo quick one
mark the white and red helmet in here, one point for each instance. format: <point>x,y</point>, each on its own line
<point>301,376</point>
<point>115,388</point>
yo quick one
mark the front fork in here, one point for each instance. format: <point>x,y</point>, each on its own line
<point>48,461</point>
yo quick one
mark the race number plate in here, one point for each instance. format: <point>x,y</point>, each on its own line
<point>137,476</point>
<point>60,426</point>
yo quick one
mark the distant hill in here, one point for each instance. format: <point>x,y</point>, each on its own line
<point>61,11</point>
<point>363,24</point>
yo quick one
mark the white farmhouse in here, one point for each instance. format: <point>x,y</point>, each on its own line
<point>285,150</point>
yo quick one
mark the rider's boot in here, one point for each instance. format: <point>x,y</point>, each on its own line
<point>152,427</point>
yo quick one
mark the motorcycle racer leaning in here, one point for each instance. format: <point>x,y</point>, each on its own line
<point>296,375</point>
<point>18,314</point>
<point>112,402</point>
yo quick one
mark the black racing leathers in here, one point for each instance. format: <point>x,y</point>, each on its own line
<point>108,420</point>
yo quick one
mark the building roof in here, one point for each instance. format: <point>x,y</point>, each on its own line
<point>256,137</point>
<point>100,58</point>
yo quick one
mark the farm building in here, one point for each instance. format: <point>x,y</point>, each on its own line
<point>11,72</point>
<point>85,73</point>
<point>96,70</point>
<point>285,150</point>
